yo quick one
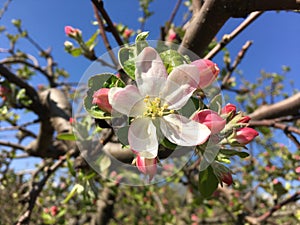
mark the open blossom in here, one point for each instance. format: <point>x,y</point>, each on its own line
<point>211,119</point>
<point>147,166</point>
<point>209,72</point>
<point>100,98</point>
<point>245,135</point>
<point>153,103</point>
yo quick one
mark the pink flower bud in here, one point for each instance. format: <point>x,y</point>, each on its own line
<point>244,119</point>
<point>211,119</point>
<point>146,166</point>
<point>227,178</point>
<point>171,36</point>
<point>127,33</point>
<point>229,108</point>
<point>245,135</point>
<point>53,210</point>
<point>297,170</point>
<point>208,72</point>
<point>100,98</point>
<point>72,32</point>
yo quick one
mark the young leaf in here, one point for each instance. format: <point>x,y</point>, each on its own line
<point>208,182</point>
<point>231,152</point>
<point>142,36</point>
<point>66,137</point>
<point>172,58</point>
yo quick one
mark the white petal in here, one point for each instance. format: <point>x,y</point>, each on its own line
<point>142,137</point>
<point>183,131</point>
<point>126,100</point>
<point>181,84</point>
<point>150,72</point>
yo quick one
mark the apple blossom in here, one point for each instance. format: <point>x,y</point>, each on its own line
<point>208,72</point>
<point>245,135</point>
<point>211,119</point>
<point>100,98</point>
<point>153,103</point>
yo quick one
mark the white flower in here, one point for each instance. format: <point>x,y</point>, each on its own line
<point>153,104</point>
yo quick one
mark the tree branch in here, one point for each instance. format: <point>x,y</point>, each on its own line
<point>36,105</point>
<point>289,106</point>
<point>207,22</point>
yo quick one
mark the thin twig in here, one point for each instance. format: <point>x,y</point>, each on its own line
<point>104,37</point>
<point>236,62</point>
<point>4,9</point>
<point>172,17</point>
<point>112,28</point>
<point>38,187</point>
<point>229,37</point>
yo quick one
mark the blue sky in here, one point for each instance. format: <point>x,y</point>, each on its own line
<point>275,35</point>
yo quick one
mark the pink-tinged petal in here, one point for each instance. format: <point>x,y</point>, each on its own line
<point>150,72</point>
<point>147,166</point>
<point>245,135</point>
<point>100,98</point>
<point>183,131</point>
<point>142,137</point>
<point>211,119</point>
<point>208,72</point>
<point>181,84</point>
<point>127,100</point>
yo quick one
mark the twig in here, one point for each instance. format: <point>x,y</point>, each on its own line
<point>236,62</point>
<point>229,37</point>
<point>5,7</point>
<point>38,187</point>
<point>288,130</point>
<point>13,145</point>
<point>112,28</point>
<point>295,197</point>
<point>104,37</point>
<point>36,105</point>
<point>173,14</point>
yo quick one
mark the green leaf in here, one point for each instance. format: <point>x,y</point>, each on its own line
<point>104,162</point>
<point>77,189</point>
<point>127,61</point>
<point>208,182</point>
<point>66,137</point>
<point>142,36</point>
<point>96,82</point>
<point>172,59</point>
<point>91,43</point>
<point>167,144</point>
<point>216,103</point>
<point>232,152</point>
<point>75,52</point>
<point>122,135</point>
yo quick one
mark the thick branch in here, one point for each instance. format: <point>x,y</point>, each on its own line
<point>289,106</point>
<point>206,23</point>
<point>58,113</point>
<point>36,105</point>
